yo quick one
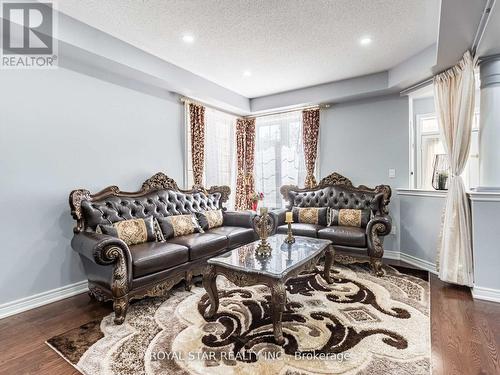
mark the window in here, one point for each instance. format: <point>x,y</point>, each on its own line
<point>220,151</point>
<point>429,145</point>
<point>279,155</point>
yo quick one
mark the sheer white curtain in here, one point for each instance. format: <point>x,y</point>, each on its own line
<point>454,94</point>
<point>279,155</point>
<point>220,151</point>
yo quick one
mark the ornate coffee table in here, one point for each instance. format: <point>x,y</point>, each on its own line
<point>242,267</point>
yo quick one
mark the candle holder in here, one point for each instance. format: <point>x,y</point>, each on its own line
<point>263,225</point>
<point>290,239</point>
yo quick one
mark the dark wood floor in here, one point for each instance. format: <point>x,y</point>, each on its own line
<point>465,333</point>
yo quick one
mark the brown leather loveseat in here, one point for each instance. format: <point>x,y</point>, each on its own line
<point>119,272</point>
<point>366,208</point>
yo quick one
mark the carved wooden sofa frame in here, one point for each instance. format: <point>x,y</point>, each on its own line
<point>379,225</point>
<point>97,250</point>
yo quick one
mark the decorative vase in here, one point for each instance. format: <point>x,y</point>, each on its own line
<point>441,170</point>
<point>263,225</point>
<point>254,205</point>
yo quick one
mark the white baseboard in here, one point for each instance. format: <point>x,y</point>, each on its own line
<point>40,299</point>
<point>394,255</point>
<point>421,263</point>
<point>410,259</point>
<point>486,294</point>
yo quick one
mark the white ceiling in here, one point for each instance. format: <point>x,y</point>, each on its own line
<point>286,44</point>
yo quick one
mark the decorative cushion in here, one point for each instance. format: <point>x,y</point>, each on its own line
<point>311,215</point>
<point>210,219</point>
<point>350,217</point>
<point>178,225</point>
<point>132,232</point>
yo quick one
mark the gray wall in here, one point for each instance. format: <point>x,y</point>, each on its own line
<point>362,140</point>
<point>420,225</point>
<point>61,130</point>
<point>486,240</point>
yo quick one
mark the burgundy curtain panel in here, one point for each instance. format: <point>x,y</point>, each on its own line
<point>245,151</point>
<point>310,132</point>
<point>249,160</point>
<point>241,199</point>
<point>197,124</point>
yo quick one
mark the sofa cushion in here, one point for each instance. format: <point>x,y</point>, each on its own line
<point>202,244</point>
<point>132,232</point>
<point>349,217</point>
<point>210,219</point>
<point>347,236</point>
<point>236,235</point>
<point>151,257</point>
<point>311,215</point>
<point>299,229</point>
<point>178,225</point>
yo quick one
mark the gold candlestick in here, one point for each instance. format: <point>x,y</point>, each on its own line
<point>290,239</point>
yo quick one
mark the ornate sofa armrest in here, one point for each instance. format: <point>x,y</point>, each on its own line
<point>110,251</point>
<point>239,218</point>
<point>378,226</point>
<point>279,217</point>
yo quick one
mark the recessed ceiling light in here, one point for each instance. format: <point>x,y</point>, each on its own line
<point>366,40</point>
<point>247,73</point>
<point>187,38</point>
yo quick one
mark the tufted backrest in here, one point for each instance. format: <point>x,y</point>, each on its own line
<point>332,196</point>
<point>336,191</point>
<point>159,196</point>
<point>158,203</point>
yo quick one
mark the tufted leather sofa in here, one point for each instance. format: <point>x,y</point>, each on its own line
<point>337,192</point>
<point>120,273</point>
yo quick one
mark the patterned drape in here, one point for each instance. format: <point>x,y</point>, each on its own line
<point>245,151</point>
<point>197,124</point>
<point>241,198</point>
<point>310,132</point>
<point>249,159</point>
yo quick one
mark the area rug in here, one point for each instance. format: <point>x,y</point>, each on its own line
<point>360,324</point>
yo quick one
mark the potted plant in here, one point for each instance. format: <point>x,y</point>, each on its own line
<point>255,198</point>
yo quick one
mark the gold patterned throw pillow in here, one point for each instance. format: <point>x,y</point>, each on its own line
<point>311,215</point>
<point>210,219</point>
<point>350,217</point>
<point>178,225</point>
<point>132,232</point>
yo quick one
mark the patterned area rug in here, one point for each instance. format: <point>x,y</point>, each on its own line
<point>360,324</point>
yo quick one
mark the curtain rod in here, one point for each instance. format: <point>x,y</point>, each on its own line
<point>416,86</point>
<point>185,99</point>
<point>287,111</point>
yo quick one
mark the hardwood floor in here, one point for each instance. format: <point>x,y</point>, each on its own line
<point>465,333</point>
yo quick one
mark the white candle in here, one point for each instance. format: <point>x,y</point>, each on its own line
<point>288,217</point>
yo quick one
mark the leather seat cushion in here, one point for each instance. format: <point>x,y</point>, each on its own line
<point>201,245</point>
<point>151,257</point>
<point>347,236</point>
<point>300,229</point>
<point>236,235</point>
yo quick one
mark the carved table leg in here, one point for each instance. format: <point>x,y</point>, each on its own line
<point>278,301</point>
<point>210,285</point>
<point>329,258</point>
